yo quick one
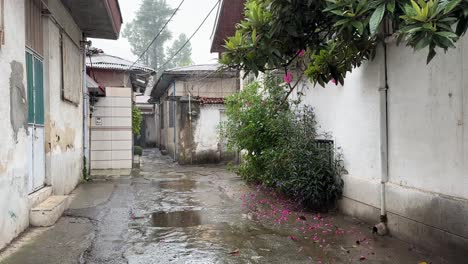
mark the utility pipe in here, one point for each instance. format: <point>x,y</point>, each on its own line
<point>86,123</point>
<point>174,119</point>
<point>381,228</point>
<point>190,125</point>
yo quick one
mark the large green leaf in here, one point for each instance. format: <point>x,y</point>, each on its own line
<point>451,5</point>
<point>376,18</point>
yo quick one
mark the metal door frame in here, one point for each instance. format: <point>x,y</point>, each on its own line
<point>32,186</point>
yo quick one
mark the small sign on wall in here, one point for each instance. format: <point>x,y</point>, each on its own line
<point>98,121</point>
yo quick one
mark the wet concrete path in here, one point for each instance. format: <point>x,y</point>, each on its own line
<point>166,213</point>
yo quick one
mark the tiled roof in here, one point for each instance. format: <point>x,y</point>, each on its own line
<point>109,62</point>
<point>210,100</point>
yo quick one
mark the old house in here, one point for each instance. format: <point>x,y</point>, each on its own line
<point>405,148</point>
<point>191,106</point>
<point>42,52</point>
<point>111,134</point>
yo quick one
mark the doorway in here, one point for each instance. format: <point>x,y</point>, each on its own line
<point>36,130</point>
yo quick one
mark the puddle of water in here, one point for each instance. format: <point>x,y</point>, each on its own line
<point>183,185</point>
<point>176,219</point>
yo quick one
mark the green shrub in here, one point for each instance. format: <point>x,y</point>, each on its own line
<point>281,146</point>
<point>136,120</point>
<point>137,151</point>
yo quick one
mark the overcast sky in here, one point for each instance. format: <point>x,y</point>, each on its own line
<point>187,19</point>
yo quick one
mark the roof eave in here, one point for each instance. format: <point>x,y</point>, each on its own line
<point>96,18</point>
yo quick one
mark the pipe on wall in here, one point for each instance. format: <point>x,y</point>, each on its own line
<point>86,120</point>
<point>381,227</point>
<point>190,125</point>
<point>175,119</point>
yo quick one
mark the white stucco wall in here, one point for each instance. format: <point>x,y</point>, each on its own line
<point>427,112</point>
<point>14,208</point>
<point>206,138</point>
<point>64,120</point>
<point>428,188</point>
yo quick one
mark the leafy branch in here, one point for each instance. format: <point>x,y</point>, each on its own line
<point>338,35</point>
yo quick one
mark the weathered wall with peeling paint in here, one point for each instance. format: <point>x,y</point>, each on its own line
<point>198,141</point>
<point>14,208</point>
<point>64,120</point>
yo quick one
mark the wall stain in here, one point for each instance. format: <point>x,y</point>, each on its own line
<point>3,168</point>
<point>12,215</point>
<point>18,101</point>
<point>64,138</point>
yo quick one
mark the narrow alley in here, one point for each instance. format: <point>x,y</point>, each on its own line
<point>166,213</point>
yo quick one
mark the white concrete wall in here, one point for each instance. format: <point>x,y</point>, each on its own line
<point>14,208</point>
<point>64,120</point>
<point>111,137</point>
<point>206,138</point>
<point>428,188</point>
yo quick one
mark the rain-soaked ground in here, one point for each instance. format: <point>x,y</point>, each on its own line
<point>166,213</point>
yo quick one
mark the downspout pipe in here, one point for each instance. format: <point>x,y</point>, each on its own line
<point>190,126</point>
<point>175,119</point>
<point>381,227</point>
<point>86,123</point>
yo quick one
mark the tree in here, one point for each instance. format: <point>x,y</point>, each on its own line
<point>331,37</point>
<point>183,58</point>
<point>150,18</point>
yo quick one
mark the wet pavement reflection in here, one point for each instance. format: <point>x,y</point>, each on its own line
<point>166,213</point>
<point>176,219</point>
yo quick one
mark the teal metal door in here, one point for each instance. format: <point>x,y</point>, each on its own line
<point>36,131</point>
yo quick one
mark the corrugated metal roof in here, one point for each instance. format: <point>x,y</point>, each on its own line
<point>192,68</point>
<point>109,62</point>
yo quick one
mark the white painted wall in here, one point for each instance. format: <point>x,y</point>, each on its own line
<point>206,136</point>
<point>428,189</point>
<point>14,208</point>
<point>427,129</point>
<point>64,120</point>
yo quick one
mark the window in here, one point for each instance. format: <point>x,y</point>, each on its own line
<point>34,34</point>
<point>71,70</point>
<point>34,77</point>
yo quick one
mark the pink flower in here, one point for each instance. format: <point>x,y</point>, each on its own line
<point>288,77</point>
<point>301,53</point>
<point>334,81</point>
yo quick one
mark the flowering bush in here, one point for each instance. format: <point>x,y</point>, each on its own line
<point>280,145</point>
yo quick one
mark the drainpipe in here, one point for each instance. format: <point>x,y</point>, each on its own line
<point>175,118</point>
<point>86,127</point>
<point>190,126</point>
<point>381,228</point>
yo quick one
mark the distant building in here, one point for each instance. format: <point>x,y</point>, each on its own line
<point>111,125</point>
<point>190,102</point>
